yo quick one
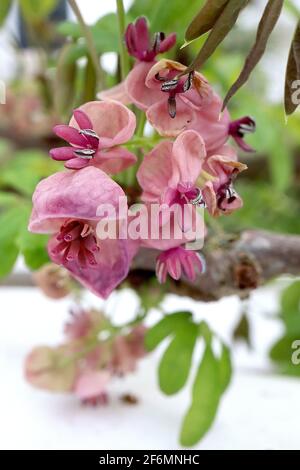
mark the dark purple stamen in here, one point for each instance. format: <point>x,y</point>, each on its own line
<point>239,128</point>
<point>175,86</point>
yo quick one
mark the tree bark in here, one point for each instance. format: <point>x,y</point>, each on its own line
<point>236,267</point>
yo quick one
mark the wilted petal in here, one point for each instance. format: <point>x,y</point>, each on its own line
<point>44,369</point>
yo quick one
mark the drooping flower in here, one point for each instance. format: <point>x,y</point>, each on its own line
<point>140,46</point>
<point>126,350</point>
<point>95,133</point>
<point>82,323</point>
<point>91,386</point>
<point>239,128</point>
<point>67,205</point>
<point>218,193</point>
<point>171,103</point>
<point>168,176</point>
<point>43,369</point>
<point>177,261</point>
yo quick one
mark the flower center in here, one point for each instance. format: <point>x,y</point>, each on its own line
<point>77,242</point>
<point>92,144</point>
<point>174,86</point>
<point>190,195</point>
<point>240,127</point>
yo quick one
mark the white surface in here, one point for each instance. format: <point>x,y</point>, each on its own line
<point>259,411</point>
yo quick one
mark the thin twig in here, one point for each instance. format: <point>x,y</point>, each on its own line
<point>89,41</point>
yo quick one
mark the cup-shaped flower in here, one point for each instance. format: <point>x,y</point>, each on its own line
<point>139,44</point>
<point>170,102</point>
<point>168,174</point>
<point>218,193</point>
<point>95,134</point>
<point>67,205</point>
<point>178,261</point>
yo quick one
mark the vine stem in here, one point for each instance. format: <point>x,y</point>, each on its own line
<point>89,41</point>
<point>123,52</point>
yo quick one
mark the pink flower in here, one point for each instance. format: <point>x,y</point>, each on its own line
<point>238,129</point>
<point>218,194</point>
<point>168,175</point>
<point>139,45</point>
<point>91,385</point>
<point>95,133</point>
<point>126,350</point>
<point>82,323</point>
<point>178,260</point>
<point>43,369</point>
<point>170,102</point>
<point>66,205</point>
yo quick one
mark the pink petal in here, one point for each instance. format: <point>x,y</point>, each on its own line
<point>136,89</point>
<point>154,172</point>
<point>167,43</point>
<point>114,160</point>
<point>77,163</point>
<point>142,33</point>
<point>111,268</point>
<point>71,194</point>
<point>211,124</point>
<point>89,384</point>
<point>82,119</point>
<point>113,122</point>
<point>158,116</point>
<point>70,134</point>
<point>187,158</point>
<point>117,93</point>
<point>62,153</point>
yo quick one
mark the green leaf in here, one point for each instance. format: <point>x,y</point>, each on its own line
<point>205,19</point>
<point>225,368</point>
<point>164,328</point>
<point>266,25</point>
<point>292,73</point>
<point>221,28</point>
<point>205,400</point>
<point>11,222</point>
<point>26,169</point>
<point>34,249</point>
<point>290,308</point>
<point>282,349</point>
<point>4,10</point>
<point>69,28</point>
<point>176,362</point>
<point>242,330</point>
<point>35,10</point>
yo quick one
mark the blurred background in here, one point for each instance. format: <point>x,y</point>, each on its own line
<point>46,71</point>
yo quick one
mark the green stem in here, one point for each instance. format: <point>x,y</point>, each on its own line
<point>123,52</point>
<point>89,42</point>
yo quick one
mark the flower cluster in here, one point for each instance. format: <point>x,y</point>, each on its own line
<point>92,354</point>
<point>191,167</point>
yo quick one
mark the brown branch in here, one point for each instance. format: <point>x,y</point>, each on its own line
<point>236,267</point>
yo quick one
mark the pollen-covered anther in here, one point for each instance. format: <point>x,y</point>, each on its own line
<point>86,154</point>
